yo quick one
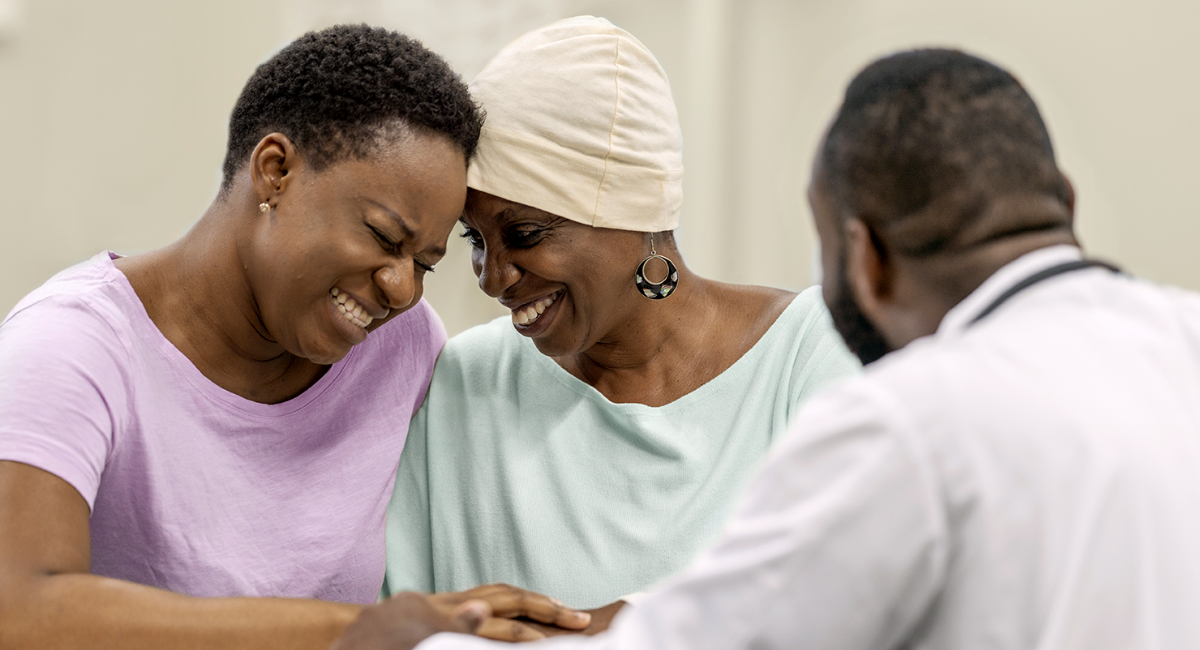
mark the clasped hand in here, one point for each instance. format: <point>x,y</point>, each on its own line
<point>491,611</point>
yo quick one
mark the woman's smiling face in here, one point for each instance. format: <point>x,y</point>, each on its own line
<point>346,249</point>
<point>567,284</point>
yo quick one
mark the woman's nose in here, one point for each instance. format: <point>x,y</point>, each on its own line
<point>398,282</point>
<point>495,271</point>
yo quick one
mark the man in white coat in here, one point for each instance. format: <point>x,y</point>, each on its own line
<point>1019,466</point>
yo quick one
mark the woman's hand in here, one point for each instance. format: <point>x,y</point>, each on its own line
<point>601,618</point>
<point>405,620</point>
<point>545,615</point>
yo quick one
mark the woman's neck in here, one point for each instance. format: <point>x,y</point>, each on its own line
<point>652,355</point>
<point>198,295</point>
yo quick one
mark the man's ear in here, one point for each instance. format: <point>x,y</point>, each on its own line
<point>270,164</point>
<point>869,273</point>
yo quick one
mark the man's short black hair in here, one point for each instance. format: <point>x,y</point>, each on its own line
<point>925,139</point>
<point>335,92</point>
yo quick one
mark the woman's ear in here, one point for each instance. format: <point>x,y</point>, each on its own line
<point>270,164</point>
<point>869,274</point>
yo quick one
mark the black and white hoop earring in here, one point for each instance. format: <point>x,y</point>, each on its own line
<point>656,290</point>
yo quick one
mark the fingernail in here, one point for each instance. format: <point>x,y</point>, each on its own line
<point>558,602</point>
<point>583,617</point>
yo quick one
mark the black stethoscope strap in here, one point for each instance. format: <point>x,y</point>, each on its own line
<point>1044,274</point>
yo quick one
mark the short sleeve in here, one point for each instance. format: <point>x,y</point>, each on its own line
<point>61,381</point>
<point>822,358</point>
<point>409,530</point>
<point>409,556</point>
<point>431,340</point>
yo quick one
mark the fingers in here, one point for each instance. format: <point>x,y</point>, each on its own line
<point>470,616</point>
<point>504,629</point>
<point>511,602</point>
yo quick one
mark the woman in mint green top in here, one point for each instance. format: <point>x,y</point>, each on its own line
<point>591,444</point>
<point>539,480</point>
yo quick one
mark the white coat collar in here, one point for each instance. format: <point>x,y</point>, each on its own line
<point>960,316</point>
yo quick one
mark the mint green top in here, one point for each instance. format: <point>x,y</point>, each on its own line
<point>515,471</point>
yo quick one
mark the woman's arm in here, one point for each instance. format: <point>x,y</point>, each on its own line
<point>48,598</point>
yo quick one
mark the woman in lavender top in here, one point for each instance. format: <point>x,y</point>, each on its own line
<point>198,443</point>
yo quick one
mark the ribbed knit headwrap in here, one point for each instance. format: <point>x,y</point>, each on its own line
<point>581,124</point>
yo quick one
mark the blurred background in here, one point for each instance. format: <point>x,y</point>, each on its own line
<point>113,114</point>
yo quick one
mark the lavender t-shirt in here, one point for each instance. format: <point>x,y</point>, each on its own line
<point>192,488</point>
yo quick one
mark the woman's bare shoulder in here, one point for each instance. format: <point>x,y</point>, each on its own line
<point>757,303</point>
<point>751,310</point>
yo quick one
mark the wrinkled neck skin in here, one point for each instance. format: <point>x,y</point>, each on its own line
<point>644,357</point>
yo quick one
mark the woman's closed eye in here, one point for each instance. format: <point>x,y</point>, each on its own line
<point>524,236</point>
<point>514,237</point>
<point>472,236</point>
<point>393,247</point>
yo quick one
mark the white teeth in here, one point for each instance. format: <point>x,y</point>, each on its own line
<point>527,315</point>
<point>351,310</point>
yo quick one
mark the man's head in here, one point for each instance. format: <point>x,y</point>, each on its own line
<point>344,92</point>
<point>936,171</point>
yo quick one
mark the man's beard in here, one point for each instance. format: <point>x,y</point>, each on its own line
<point>863,339</point>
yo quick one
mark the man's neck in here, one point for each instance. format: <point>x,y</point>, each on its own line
<point>941,283</point>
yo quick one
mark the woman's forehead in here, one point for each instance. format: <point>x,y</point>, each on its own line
<point>495,209</point>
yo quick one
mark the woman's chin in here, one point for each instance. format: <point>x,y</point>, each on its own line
<point>327,359</point>
<point>325,350</point>
<point>555,344</point>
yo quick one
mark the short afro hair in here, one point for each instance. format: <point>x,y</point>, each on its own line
<point>925,139</point>
<point>336,92</point>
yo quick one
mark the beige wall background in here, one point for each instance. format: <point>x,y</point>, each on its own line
<point>113,114</point>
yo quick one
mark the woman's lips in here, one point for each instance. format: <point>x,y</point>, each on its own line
<point>348,318</point>
<point>529,313</point>
<point>351,310</point>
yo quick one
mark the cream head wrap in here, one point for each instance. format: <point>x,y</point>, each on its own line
<point>581,124</point>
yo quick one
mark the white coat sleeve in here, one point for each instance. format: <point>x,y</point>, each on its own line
<point>840,544</point>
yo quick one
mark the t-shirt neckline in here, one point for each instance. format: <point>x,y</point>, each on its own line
<point>583,388</point>
<point>142,321</point>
